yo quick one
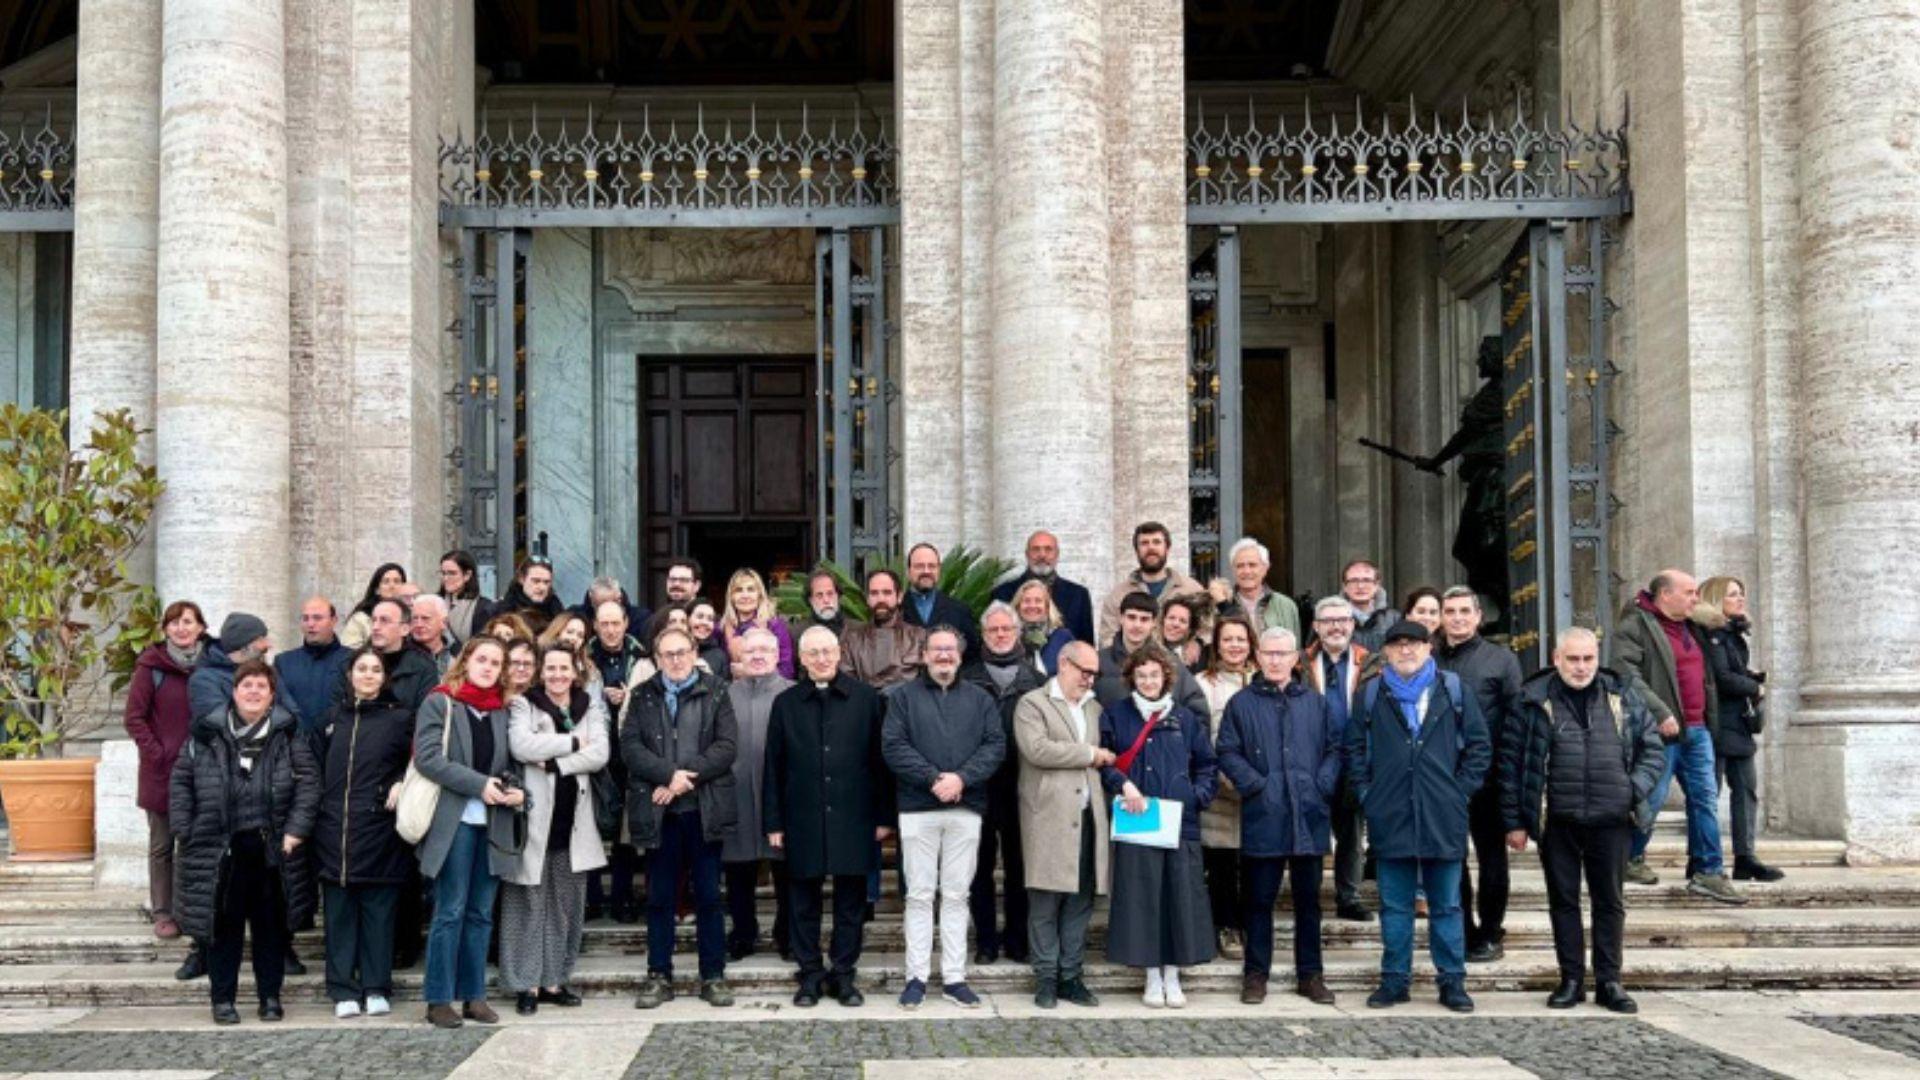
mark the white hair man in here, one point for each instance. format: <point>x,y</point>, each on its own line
<point>1250,562</point>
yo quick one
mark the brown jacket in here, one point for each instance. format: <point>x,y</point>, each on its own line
<point>1177,584</point>
<point>882,656</point>
<point>1058,780</point>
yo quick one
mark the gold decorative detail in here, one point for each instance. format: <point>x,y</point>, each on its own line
<point>1309,170</point>
<point>1572,164</point>
<point>493,386</point>
<point>646,176</point>
<point>753,173</point>
<point>1361,169</point>
<point>46,174</point>
<point>591,174</point>
<point>1254,172</point>
<point>1524,549</point>
<point>1415,167</point>
<point>806,172</point>
<point>699,174</point>
<point>1203,171</point>
<point>1519,163</point>
<point>1593,378</point>
<point>483,175</point>
<point>859,172</point>
<point>1467,166</point>
<point>1213,386</point>
<point>535,175</point>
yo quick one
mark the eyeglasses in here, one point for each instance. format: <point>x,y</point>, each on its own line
<point>675,654</point>
<point>1334,620</point>
<point>1278,653</point>
<point>521,664</point>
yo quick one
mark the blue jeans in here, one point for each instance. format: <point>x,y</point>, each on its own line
<point>1446,929</point>
<point>1692,759</point>
<point>685,852</point>
<point>462,921</point>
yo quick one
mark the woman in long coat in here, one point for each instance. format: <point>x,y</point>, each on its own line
<point>1159,918</point>
<point>242,804</point>
<point>558,731</point>
<point>158,718</point>
<point>1228,672</point>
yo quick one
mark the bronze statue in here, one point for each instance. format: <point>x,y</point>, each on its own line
<point>1479,543</point>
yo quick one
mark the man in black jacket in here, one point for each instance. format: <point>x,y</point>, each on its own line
<point>1491,673</point>
<point>1578,761</point>
<point>1005,671</point>
<point>1138,617</point>
<point>925,605</point>
<point>826,802</point>
<point>1073,599</point>
<point>944,742</point>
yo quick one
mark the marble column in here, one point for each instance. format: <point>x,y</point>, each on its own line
<point>116,216</point>
<point>1053,400</point>
<point>1421,534</point>
<point>1859,724</point>
<point>221,441</point>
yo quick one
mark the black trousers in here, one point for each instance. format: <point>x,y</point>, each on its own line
<point>1600,852</point>
<point>743,913</point>
<point>252,898</point>
<point>849,924</point>
<point>1226,887</point>
<point>1000,837</point>
<point>1490,851</point>
<point>1349,845</point>
<point>360,921</point>
<point>1263,888</point>
<point>622,863</point>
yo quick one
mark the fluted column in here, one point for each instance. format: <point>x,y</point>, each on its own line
<point>1421,529</point>
<point>116,216</point>
<point>1052,299</point>
<point>1860,317</point>
<point>222,371</point>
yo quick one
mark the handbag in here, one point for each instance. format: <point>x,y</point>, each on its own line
<point>1756,716</point>
<point>419,796</point>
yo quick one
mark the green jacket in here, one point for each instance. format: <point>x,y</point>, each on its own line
<point>1641,651</point>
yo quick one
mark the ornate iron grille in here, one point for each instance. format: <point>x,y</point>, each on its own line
<point>1252,169</point>
<point>686,173</point>
<point>36,178</point>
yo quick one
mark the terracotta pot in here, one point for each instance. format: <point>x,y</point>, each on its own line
<point>49,808</point>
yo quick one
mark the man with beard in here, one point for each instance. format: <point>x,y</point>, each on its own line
<point>1333,666</point>
<point>926,606</point>
<point>531,594</point>
<point>823,606</point>
<point>683,579</point>
<point>1073,600</point>
<point>1005,671</point>
<point>1153,578</point>
<point>885,652</point>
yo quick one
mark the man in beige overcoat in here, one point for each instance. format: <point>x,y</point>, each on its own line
<point>1063,821</point>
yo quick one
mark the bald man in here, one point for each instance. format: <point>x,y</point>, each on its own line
<point>1073,600</point>
<point>309,674</point>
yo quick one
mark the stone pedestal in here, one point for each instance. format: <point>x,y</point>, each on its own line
<point>119,825</point>
<point>1858,729</point>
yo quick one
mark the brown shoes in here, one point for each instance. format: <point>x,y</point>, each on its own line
<point>1314,989</point>
<point>1253,989</point>
<point>480,1013</point>
<point>443,1016</point>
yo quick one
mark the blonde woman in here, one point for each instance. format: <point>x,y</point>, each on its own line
<point>1232,668</point>
<point>750,606</point>
<point>572,631</point>
<point>1041,629</point>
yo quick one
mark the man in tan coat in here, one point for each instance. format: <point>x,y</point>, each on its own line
<point>1063,822</point>
<point>1152,577</point>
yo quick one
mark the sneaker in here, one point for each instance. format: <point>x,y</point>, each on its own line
<point>655,992</point>
<point>1046,993</point>
<point>1639,873</point>
<point>1155,995</point>
<point>1715,887</point>
<point>1176,998</point>
<point>912,994</point>
<point>346,1010</point>
<point>378,1006</point>
<point>1743,870</point>
<point>1074,991</point>
<point>716,993</point>
<point>960,994</point>
<point>1388,996</point>
<point>1454,997</point>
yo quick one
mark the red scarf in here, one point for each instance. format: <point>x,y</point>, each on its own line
<point>486,699</point>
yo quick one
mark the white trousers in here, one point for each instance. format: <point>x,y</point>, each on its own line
<point>938,849</point>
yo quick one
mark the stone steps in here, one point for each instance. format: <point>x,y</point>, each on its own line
<point>1354,972</point>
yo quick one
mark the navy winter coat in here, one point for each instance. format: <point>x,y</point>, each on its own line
<point>1176,764</point>
<point>1415,791</point>
<point>1282,752</point>
<point>308,678</point>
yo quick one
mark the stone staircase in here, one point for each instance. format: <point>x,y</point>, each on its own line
<point>65,942</point>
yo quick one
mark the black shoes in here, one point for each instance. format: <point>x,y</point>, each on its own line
<point>1612,997</point>
<point>1388,996</point>
<point>626,914</point>
<point>983,957</point>
<point>808,995</point>
<point>563,997</point>
<point>225,1014</point>
<point>1754,870</point>
<point>526,1004</point>
<point>1354,912</point>
<point>194,967</point>
<point>1046,993</point>
<point>271,1011</point>
<point>739,950</point>
<point>1571,992</point>
<point>846,990</point>
<point>1485,952</point>
<point>1454,997</point>
<point>294,966</point>
<point>1074,992</point>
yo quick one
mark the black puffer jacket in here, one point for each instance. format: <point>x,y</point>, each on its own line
<point>1491,673</point>
<point>706,717</point>
<point>1740,690</point>
<point>363,751</point>
<point>1546,767</point>
<point>203,804</point>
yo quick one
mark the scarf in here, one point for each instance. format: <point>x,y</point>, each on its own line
<point>189,658</point>
<point>1035,635</point>
<point>1155,710</point>
<point>485,699</point>
<point>564,718</point>
<point>251,737</point>
<point>674,690</point>
<point>1003,667</point>
<point>1406,692</point>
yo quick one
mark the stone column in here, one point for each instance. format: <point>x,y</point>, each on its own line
<point>1053,401</point>
<point>1860,315</point>
<point>1420,532</point>
<point>222,401</point>
<point>116,216</point>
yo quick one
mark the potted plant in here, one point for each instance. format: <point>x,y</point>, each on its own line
<point>965,574</point>
<point>72,620</point>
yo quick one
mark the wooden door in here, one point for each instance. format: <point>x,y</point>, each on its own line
<point>729,467</point>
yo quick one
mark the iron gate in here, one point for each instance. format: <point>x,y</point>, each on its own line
<point>1568,182</point>
<point>833,176</point>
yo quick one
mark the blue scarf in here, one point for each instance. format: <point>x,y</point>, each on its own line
<point>1406,692</point>
<point>674,690</point>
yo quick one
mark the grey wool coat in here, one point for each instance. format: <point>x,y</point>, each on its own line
<point>1058,780</point>
<point>752,698</point>
<point>460,778</point>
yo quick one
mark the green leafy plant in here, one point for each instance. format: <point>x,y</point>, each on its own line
<point>965,574</point>
<point>72,620</point>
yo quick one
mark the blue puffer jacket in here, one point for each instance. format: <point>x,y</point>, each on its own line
<point>1176,764</point>
<point>1279,747</point>
<point>1415,790</point>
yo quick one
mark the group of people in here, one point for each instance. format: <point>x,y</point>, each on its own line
<point>446,751</point>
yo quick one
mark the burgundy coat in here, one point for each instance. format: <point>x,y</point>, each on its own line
<point>158,719</point>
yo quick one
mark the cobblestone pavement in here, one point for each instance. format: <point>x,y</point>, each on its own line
<point>1900,1034</point>
<point>421,1053</point>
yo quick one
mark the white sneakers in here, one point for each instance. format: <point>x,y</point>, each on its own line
<point>377,1005</point>
<point>346,1010</point>
<point>1171,982</point>
<point>1156,993</point>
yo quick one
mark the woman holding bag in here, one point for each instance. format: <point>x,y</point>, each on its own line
<point>559,732</point>
<point>460,743</point>
<point>1159,918</point>
<point>1743,695</point>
